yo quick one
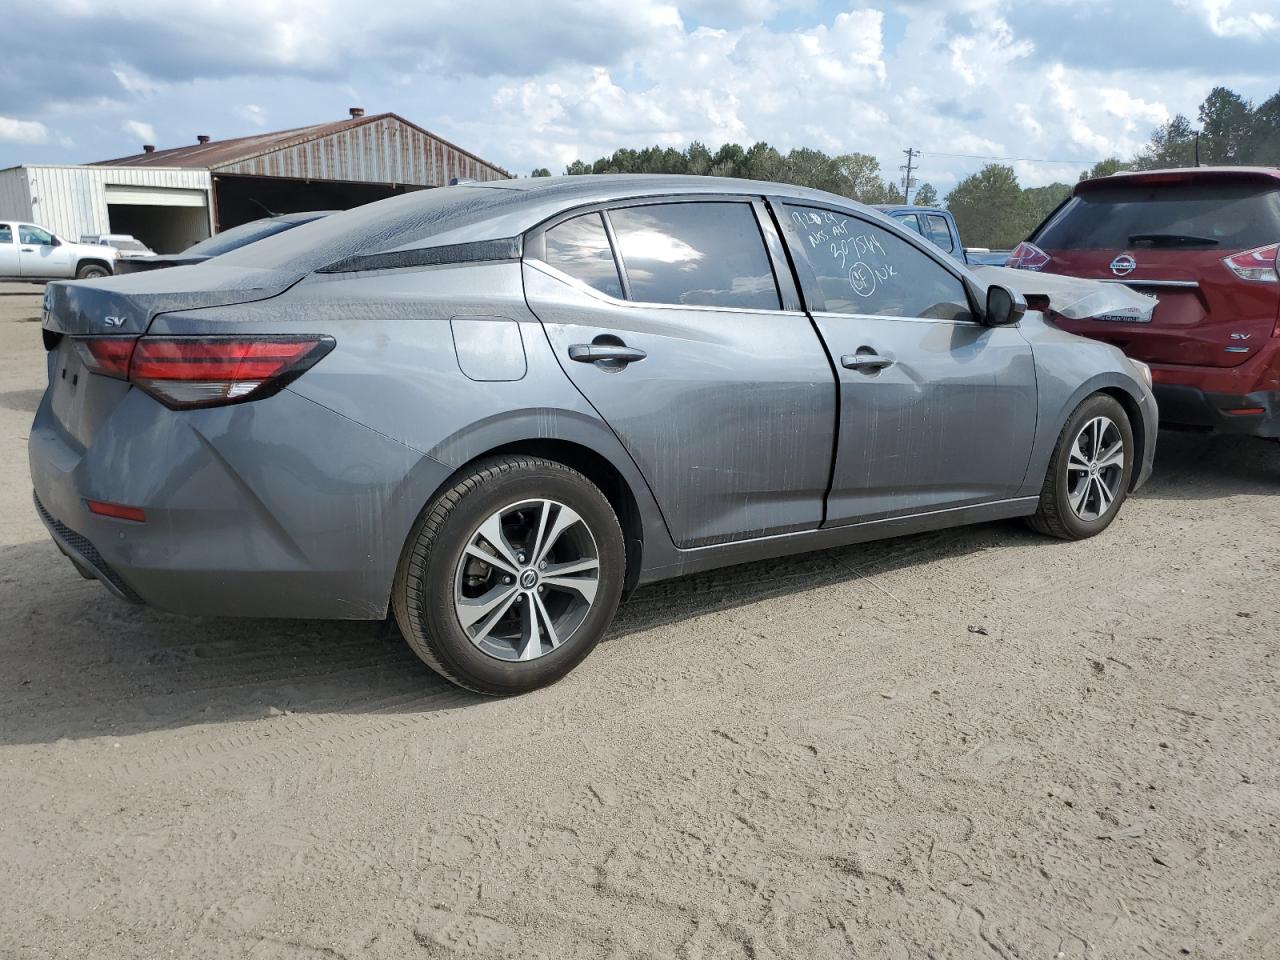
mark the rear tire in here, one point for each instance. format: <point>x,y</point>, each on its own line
<point>511,576</point>
<point>1090,473</point>
<point>92,271</point>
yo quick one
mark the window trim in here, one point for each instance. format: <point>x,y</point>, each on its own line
<point>535,251</point>
<point>812,293</point>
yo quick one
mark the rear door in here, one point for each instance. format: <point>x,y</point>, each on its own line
<point>936,410</point>
<point>1172,239</point>
<point>40,257</point>
<point>8,251</point>
<point>679,322</point>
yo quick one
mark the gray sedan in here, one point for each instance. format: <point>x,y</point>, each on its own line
<point>493,410</point>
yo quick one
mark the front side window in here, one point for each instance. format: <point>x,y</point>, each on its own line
<point>862,268</point>
<point>580,248</point>
<point>908,220</point>
<point>695,254</point>
<point>6,233</point>
<point>30,234</point>
<point>940,232</point>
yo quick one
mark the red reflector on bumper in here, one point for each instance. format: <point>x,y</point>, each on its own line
<point>117,510</point>
<point>1245,411</point>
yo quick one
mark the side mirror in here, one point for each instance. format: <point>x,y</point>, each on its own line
<point>1004,306</point>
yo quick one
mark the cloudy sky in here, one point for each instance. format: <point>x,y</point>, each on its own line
<point>541,82</point>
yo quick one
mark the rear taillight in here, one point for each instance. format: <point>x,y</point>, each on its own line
<point>108,356</point>
<point>1259,264</point>
<point>187,372</point>
<point>1027,256</point>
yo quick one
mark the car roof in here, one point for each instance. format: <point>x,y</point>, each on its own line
<point>493,210</point>
<point>905,208</point>
<point>535,199</point>
<point>1173,175</point>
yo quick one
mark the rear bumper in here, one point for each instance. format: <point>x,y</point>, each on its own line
<point>1251,414</point>
<point>83,555</point>
<point>279,508</point>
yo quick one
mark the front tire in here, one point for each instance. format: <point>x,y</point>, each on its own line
<point>92,271</point>
<point>1090,473</point>
<point>511,576</point>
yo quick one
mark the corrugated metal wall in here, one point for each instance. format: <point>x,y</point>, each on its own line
<point>15,199</point>
<point>384,151</point>
<point>72,201</point>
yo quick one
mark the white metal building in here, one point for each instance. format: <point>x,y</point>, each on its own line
<point>170,206</point>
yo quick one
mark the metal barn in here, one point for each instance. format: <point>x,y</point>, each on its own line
<point>171,198</point>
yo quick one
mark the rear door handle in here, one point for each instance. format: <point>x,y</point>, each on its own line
<point>865,361</point>
<point>595,352</point>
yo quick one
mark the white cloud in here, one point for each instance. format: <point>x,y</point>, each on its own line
<point>133,81</point>
<point>1227,18</point>
<point>576,79</point>
<point>253,113</point>
<point>22,131</point>
<point>143,132</point>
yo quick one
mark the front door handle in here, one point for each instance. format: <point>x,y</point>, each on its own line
<point>28,250</point>
<point>614,353</point>
<point>865,361</point>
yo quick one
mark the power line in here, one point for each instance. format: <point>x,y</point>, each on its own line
<point>978,156</point>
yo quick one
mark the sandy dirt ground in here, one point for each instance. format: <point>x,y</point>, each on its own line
<point>969,744</point>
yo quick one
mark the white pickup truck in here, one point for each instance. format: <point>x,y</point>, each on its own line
<point>29,252</point>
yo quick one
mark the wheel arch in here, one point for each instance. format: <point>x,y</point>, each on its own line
<point>601,472</point>
<point>1137,423</point>
<point>94,262</point>
<point>584,445</point>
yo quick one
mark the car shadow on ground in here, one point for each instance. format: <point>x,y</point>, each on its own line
<point>78,663</point>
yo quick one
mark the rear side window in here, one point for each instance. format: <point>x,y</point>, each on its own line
<point>6,233</point>
<point>1227,216</point>
<point>580,247</point>
<point>695,254</point>
<point>940,232</point>
<point>861,268</point>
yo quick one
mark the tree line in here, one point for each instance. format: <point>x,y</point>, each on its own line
<point>991,208</point>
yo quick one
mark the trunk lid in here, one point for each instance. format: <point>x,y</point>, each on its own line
<point>1168,237</point>
<point>127,304</point>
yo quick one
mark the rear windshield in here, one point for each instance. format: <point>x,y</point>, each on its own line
<point>239,236</point>
<point>1227,216</point>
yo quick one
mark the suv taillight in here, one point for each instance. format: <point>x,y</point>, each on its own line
<point>1027,256</point>
<point>188,372</point>
<point>1259,264</point>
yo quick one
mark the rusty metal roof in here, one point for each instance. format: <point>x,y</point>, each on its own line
<point>221,153</point>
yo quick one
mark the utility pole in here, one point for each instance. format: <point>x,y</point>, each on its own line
<point>908,181</point>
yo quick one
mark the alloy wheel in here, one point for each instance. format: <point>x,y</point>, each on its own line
<point>526,580</point>
<point>1095,468</point>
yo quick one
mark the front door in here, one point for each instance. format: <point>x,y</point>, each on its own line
<point>936,410</point>
<point>40,255</point>
<point>705,368</point>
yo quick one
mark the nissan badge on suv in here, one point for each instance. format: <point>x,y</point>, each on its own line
<point>1204,242</point>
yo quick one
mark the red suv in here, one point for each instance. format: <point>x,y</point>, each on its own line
<point>1204,242</point>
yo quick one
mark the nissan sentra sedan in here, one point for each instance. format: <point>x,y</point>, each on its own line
<point>493,410</point>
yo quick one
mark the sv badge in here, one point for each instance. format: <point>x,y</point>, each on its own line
<point>114,321</point>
